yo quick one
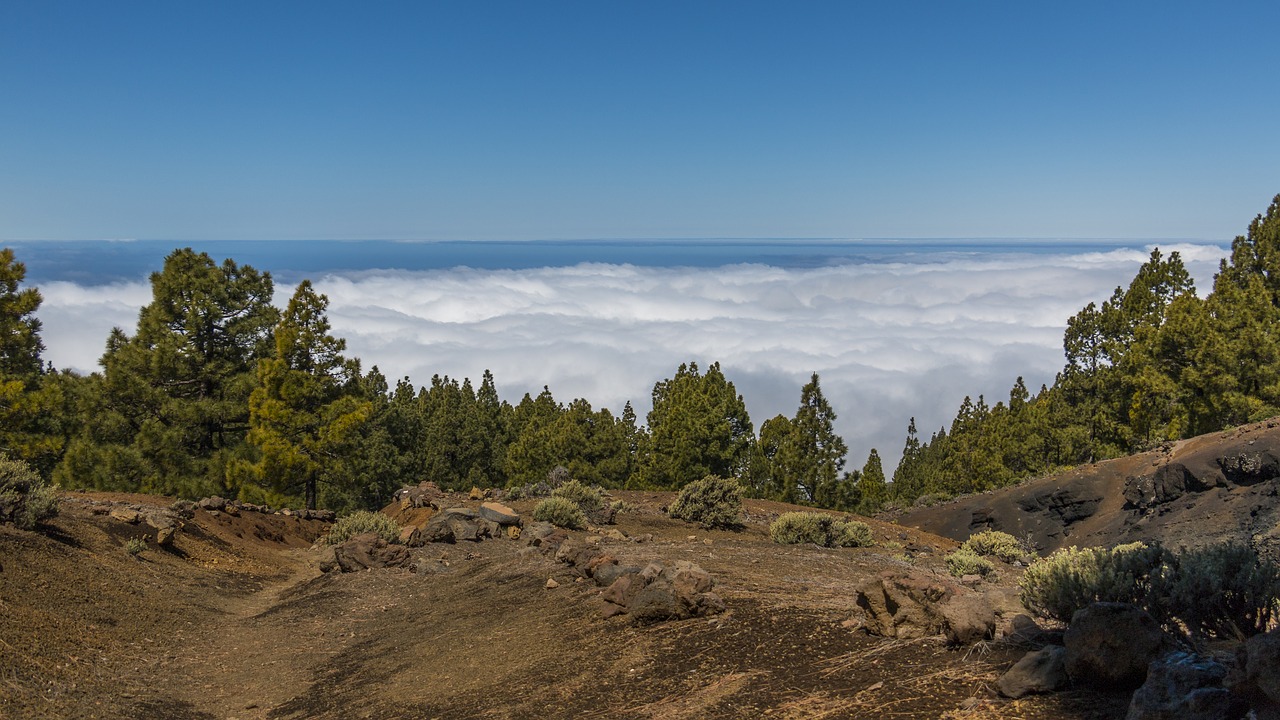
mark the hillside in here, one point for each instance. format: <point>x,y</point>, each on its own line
<point>1210,488</point>
<point>235,620</point>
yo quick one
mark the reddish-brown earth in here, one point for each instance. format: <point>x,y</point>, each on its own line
<point>235,621</point>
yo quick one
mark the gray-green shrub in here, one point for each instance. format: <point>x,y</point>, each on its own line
<point>713,502</point>
<point>561,512</point>
<point>794,528</point>
<point>584,496</point>
<point>964,561</point>
<point>360,522</point>
<point>135,546</point>
<point>852,533</point>
<point>1224,590</point>
<point>997,544</point>
<point>1072,578</point>
<point>25,498</point>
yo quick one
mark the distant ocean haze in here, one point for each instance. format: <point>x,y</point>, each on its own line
<point>895,329</point>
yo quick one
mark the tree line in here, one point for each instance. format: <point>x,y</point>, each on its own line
<point>219,392</point>
<point>1153,363</point>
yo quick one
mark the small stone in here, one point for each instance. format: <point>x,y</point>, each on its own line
<point>476,493</point>
<point>133,517</point>
<point>707,541</point>
<point>513,532</point>
<point>552,584</point>
<point>691,538</point>
<point>164,536</point>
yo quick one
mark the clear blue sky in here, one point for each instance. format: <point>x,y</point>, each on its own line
<point>478,120</point>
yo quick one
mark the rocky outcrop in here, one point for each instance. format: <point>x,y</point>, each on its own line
<point>454,525</point>
<point>1184,686</point>
<point>654,593</point>
<point>363,552</point>
<point>1111,645</point>
<point>908,605</point>
<point>1212,488</point>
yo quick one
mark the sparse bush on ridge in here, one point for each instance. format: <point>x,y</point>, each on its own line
<point>25,498</point>
<point>794,528</point>
<point>995,543</point>
<point>360,522</point>
<point>713,502</point>
<point>561,512</point>
<point>584,496</point>
<point>964,561</point>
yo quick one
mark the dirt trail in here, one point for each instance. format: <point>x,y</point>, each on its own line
<point>236,622</point>
<point>241,665</point>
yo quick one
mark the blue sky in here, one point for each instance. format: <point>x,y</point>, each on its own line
<point>483,120</point>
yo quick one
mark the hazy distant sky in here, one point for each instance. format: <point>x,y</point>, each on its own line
<point>480,120</point>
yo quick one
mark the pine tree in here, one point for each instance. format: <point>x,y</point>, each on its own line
<point>170,412</point>
<point>698,426</point>
<point>306,410</point>
<point>872,485</point>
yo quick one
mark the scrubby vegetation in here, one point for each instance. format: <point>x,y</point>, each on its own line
<point>713,502</point>
<point>25,498</point>
<point>964,561</point>
<point>1222,590</point>
<point>794,528</point>
<point>996,544</point>
<point>561,512</point>
<point>135,546</point>
<point>587,498</point>
<point>360,522</point>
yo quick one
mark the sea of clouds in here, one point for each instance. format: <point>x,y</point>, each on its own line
<point>890,340</point>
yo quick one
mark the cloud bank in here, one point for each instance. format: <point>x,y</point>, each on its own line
<point>890,340</point>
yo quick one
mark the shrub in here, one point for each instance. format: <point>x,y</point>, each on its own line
<point>794,528</point>
<point>995,543</point>
<point>1221,590</point>
<point>585,497</point>
<point>1070,579</point>
<point>712,502</point>
<point>561,512</point>
<point>360,522</point>
<point>930,499</point>
<point>964,561</point>
<point>25,498</point>
<point>853,533</point>
<point>135,546</point>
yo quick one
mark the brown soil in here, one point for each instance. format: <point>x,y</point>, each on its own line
<point>235,621</point>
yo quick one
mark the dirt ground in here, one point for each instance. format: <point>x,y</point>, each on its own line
<point>236,621</point>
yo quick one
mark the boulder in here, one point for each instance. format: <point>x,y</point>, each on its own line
<point>368,550</point>
<point>1110,645</point>
<point>1039,671</point>
<point>499,513</point>
<point>1183,686</point>
<point>606,575</point>
<point>160,520</point>
<point>164,536</point>
<point>411,536</point>
<point>657,592</point>
<point>423,495</point>
<point>436,530</point>
<point>967,619</point>
<point>125,515</point>
<point>1259,659</point>
<point>212,503</point>
<point>903,605</point>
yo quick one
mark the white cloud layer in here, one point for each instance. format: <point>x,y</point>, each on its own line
<point>890,340</point>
